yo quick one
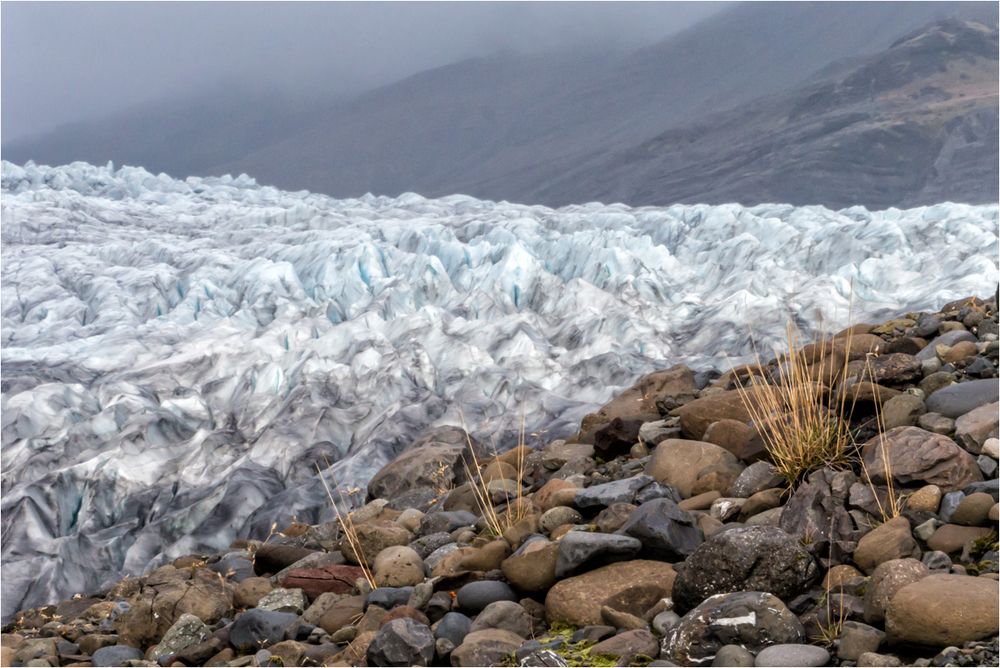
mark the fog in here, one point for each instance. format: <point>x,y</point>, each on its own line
<point>69,61</point>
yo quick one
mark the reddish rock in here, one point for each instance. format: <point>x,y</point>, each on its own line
<point>315,581</point>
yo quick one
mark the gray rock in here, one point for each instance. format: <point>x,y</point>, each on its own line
<point>543,657</point>
<point>188,630</point>
<point>437,555</point>
<point>752,619</point>
<point>284,600</point>
<point>664,621</point>
<point>665,531</point>
<point>486,648</point>
<point>454,626</point>
<point>115,655</point>
<point>733,655</point>
<point>987,465</point>
<point>936,423</point>
<point>505,615</point>
<point>235,566</point>
<point>949,504</point>
<point>991,487</point>
<point>425,545</point>
<point>948,339</point>
<point>756,558</point>
<point>856,639</point>
<point>927,325</point>
<point>446,521</point>
<point>755,478</point>
<point>402,642</point>
<point>388,597</point>
<point>817,511</point>
<point>656,490</point>
<point>554,517</point>
<point>475,596</point>
<point>792,655</point>
<point>257,628</point>
<point>961,398</point>
<point>616,491</point>
<point>936,560</point>
<point>579,549</point>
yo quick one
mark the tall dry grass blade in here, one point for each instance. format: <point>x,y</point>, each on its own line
<point>347,523</point>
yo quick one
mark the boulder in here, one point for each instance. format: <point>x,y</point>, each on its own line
<point>693,467</point>
<point>893,368</point>
<point>340,613</point>
<point>188,630</point>
<point>737,437</point>
<point>585,550</point>
<point>454,626</point>
<point>401,642</point>
<point>696,416</point>
<point>952,538</point>
<point>752,619</point>
<point>857,639</point>
<point>890,540</point>
<point>979,424</point>
<point>373,537</point>
<point>643,402</point>
<point>915,456</point>
<point>756,558</point>
<point>398,566</point>
<point>488,647</point>
<point>506,615</point>
<point>944,610</point>
<point>902,411</point>
<point>961,398</point>
<point>163,601</point>
<point>533,566</point>
<point>665,531</point>
<point>473,597</point>
<point>946,339</point>
<point>248,592</point>
<point>973,510</point>
<point>926,499</point>
<point>629,586</point>
<point>425,470</point>
<point>888,578</point>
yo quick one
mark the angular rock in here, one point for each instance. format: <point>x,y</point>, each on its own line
<point>284,600</point>
<point>936,424</point>
<point>116,655</point>
<point>250,591</point>
<point>857,639</point>
<point>751,619</point>
<point>744,559</point>
<point>629,586</point>
<point>817,512</point>
<point>665,531</point>
<point>913,455</point>
<point>584,550</point>
<point>401,642</point>
<point>340,613</point>
<point>979,424</point>
<point>925,612</point>
<point>629,646</point>
<point>693,467</point>
<point>274,557</point>
<point>617,491</point>
<point>902,411</point>
<point>186,631</point>
<point>446,521</point>
<point>424,470</point>
<point>961,398</point>
<point>643,402</point>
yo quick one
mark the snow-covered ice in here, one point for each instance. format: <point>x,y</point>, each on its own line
<point>179,355</point>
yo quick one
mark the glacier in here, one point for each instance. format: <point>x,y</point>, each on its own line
<point>179,355</point>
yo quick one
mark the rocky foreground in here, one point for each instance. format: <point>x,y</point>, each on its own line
<point>659,534</point>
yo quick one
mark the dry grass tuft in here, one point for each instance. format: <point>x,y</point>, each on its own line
<point>800,431</point>
<point>497,521</point>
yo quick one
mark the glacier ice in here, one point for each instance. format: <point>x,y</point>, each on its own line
<point>178,356</point>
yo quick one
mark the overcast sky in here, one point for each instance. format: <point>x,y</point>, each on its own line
<point>67,61</point>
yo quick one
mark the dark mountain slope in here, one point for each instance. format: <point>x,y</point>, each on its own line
<point>915,124</point>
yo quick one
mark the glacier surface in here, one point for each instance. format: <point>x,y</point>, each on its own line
<point>178,356</point>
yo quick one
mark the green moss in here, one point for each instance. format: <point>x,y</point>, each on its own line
<point>982,545</point>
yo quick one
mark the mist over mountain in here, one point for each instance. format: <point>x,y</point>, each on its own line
<point>727,110</point>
